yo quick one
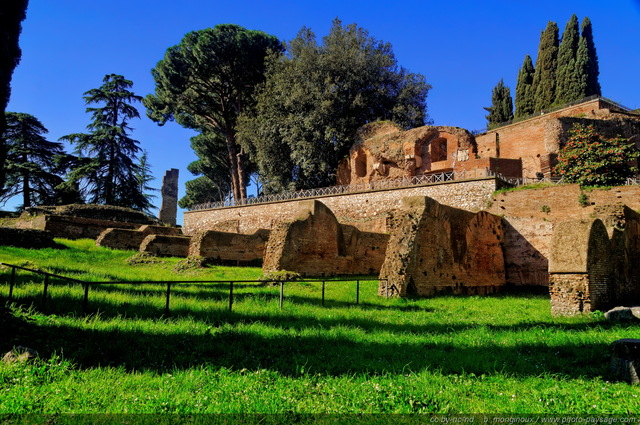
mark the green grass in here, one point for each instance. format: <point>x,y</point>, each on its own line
<point>495,354</point>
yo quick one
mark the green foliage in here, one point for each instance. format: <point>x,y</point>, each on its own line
<point>583,200</point>
<point>568,74</point>
<point>11,17</point>
<point>591,160</point>
<point>591,70</point>
<point>206,81</point>
<point>501,109</point>
<point>32,167</point>
<point>544,79</point>
<point>106,164</point>
<point>525,103</point>
<point>545,209</point>
<point>317,96</point>
<point>214,183</point>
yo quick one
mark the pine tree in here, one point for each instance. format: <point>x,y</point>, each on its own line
<point>501,109</point>
<point>567,77</point>
<point>544,80</point>
<point>107,164</point>
<point>32,169</point>
<point>524,89</point>
<point>591,69</point>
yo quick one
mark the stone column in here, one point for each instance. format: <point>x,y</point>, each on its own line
<point>169,207</point>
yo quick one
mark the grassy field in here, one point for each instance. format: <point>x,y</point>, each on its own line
<point>448,355</point>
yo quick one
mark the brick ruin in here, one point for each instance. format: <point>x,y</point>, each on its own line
<point>435,249</point>
<point>526,148</point>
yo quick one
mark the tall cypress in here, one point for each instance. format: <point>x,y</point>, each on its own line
<point>592,69</point>
<point>544,79</point>
<point>566,77</point>
<point>524,88</point>
<point>501,108</point>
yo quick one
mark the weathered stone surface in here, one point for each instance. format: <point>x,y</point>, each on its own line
<point>169,191</point>
<point>166,246</point>
<point>438,249</point>
<point>367,211</point>
<point>230,248</point>
<point>623,314</point>
<point>314,244</point>
<point>592,267</point>
<point>26,238</point>
<point>625,360</point>
<point>115,238</point>
<point>81,221</point>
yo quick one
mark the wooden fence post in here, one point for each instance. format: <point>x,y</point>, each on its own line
<point>281,293</point>
<point>323,293</point>
<point>230,295</point>
<point>357,292</point>
<point>166,307</point>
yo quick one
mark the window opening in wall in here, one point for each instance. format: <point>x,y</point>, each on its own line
<point>439,150</point>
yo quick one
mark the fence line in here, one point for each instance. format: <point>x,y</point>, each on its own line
<point>396,183</point>
<point>87,284</point>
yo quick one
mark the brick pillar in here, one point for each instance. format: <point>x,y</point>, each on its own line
<point>169,207</point>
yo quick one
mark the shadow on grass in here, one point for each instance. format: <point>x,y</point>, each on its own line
<point>298,345</point>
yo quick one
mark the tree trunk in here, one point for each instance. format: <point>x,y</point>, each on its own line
<point>236,168</point>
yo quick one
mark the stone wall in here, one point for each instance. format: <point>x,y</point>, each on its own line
<point>315,244</point>
<point>70,227</point>
<point>166,246</point>
<point>435,249</point>
<point>367,211</point>
<point>530,217</point>
<point>230,248</point>
<point>26,238</point>
<point>115,238</point>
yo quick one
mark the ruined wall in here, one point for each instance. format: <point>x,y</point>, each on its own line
<point>435,249</point>
<point>230,248</point>
<point>72,227</point>
<point>314,244</point>
<point>367,211</point>
<point>538,139</point>
<point>115,238</point>
<point>531,215</point>
<point>166,246</point>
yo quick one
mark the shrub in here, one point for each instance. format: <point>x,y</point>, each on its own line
<point>591,160</point>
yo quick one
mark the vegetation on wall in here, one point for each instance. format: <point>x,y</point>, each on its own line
<point>592,160</point>
<point>501,108</point>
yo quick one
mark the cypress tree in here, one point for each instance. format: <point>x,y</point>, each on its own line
<point>501,109</point>
<point>591,69</point>
<point>524,89</point>
<point>544,79</point>
<point>567,75</point>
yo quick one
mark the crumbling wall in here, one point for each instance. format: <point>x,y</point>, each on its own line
<point>230,248</point>
<point>594,263</point>
<point>314,244</point>
<point>26,238</point>
<point>438,249</point>
<point>115,238</point>
<point>166,246</point>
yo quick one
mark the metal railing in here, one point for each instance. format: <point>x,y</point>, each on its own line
<point>396,183</point>
<point>169,283</point>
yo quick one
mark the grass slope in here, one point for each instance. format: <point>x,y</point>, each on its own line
<point>496,354</point>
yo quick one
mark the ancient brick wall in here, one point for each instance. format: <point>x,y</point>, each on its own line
<point>434,249</point>
<point>367,211</point>
<point>163,245</point>
<point>115,238</point>
<point>70,227</point>
<point>230,248</point>
<point>531,215</point>
<point>315,244</point>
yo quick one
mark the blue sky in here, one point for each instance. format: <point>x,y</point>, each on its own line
<point>463,48</point>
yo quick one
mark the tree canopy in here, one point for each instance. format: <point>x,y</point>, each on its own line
<point>12,14</point>
<point>501,108</point>
<point>107,165</point>
<point>315,98</point>
<point>568,74</point>
<point>544,79</point>
<point>525,102</point>
<point>32,168</point>
<point>207,80</point>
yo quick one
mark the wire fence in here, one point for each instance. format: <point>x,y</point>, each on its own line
<point>86,285</point>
